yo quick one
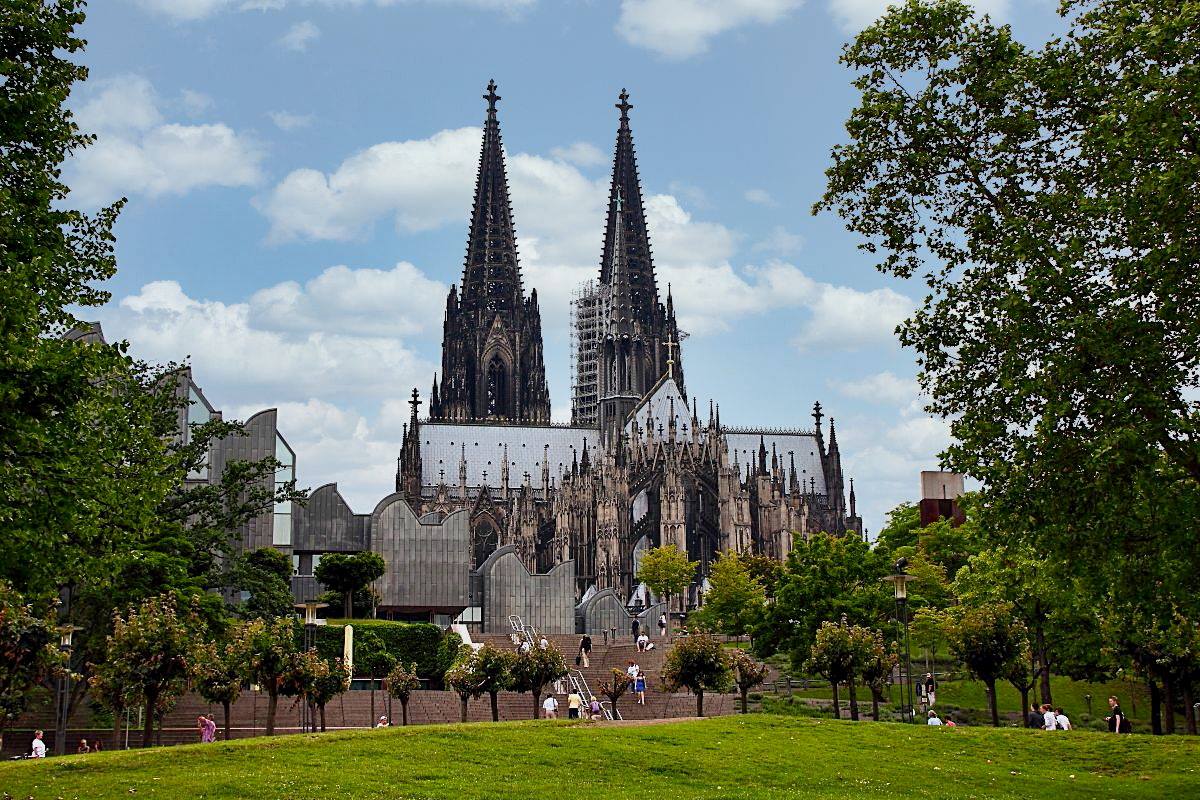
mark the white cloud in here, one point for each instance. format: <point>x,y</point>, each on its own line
<point>683,28</point>
<point>760,197</point>
<point>300,36</point>
<point>882,387</point>
<point>852,319</point>
<point>780,242</point>
<point>854,15</point>
<point>287,121</point>
<point>195,103</point>
<point>191,10</point>
<point>583,154</point>
<point>136,153</point>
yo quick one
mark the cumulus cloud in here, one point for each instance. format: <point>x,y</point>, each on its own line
<point>287,121</point>
<point>300,36</point>
<point>195,103</point>
<point>583,154</point>
<point>882,387</point>
<point>191,10</point>
<point>851,318</point>
<point>679,29</point>
<point>854,15</point>
<point>137,153</point>
<point>780,242</point>
<point>760,197</point>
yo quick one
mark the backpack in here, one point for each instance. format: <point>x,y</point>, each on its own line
<point>1126,725</point>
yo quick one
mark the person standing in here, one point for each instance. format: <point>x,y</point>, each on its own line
<point>632,670</point>
<point>585,650</point>
<point>550,707</point>
<point>1061,720</point>
<point>1117,721</point>
<point>930,689</point>
<point>210,730</point>
<point>1034,718</point>
<point>662,625</point>
<point>574,704</point>
<point>635,627</point>
<point>544,643</point>
<point>38,748</point>
<point>639,686</point>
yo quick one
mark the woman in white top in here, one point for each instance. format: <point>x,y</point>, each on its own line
<point>933,719</point>
<point>1061,720</point>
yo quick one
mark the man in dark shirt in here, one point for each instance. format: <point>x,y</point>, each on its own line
<point>635,627</point>
<point>1034,718</point>
<point>585,649</point>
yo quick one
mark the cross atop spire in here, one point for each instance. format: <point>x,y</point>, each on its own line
<point>624,105</point>
<point>415,402</point>
<point>492,98</point>
<point>671,345</point>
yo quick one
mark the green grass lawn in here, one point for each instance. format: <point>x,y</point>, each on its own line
<point>757,756</point>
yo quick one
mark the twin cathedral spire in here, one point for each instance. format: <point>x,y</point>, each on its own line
<point>492,359</point>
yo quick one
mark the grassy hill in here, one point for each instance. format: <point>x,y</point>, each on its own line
<point>756,756</point>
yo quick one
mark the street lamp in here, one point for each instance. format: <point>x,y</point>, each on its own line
<point>899,581</point>
<point>307,719</point>
<point>63,690</point>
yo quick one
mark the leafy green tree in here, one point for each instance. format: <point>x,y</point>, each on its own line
<point>899,528</point>
<point>304,677</point>
<point>840,653</point>
<point>218,670</point>
<point>1022,673</point>
<point>533,669</point>
<point>926,631</point>
<point>334,682</point>
<point>747,673</point>
<point>266,574</point>
<point>112,688</point>
<point>465,677</point>
<point>154,643</point>
<point>825,577</point>
<point>269,646</point>
<point>348,573</point>
<point>28,653</point>
<point>699,663</point>
<point>1046,200</point>
<point>402,681</point>
<point>615,687</point>
<point>988,638</point>
<point>374,661</point>
<point>735,599</point>
<point>668,573</point>
<point>494,667</point>
<point>877,671</point>
<point>764,569</point>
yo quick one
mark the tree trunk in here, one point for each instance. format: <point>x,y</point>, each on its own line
<point>463,698</point>
<point>991,685</point>
<point>853,701</point>
<point>875,704</point>
<point>745,691</point>
<point>322,708</point>
<point>373,717</point>
<point>1044,662</point>
<point>700,703</point>
<point>837,708</point>
<point>1189,709</point>
<point>495,708</point>
<point>1168,690</point>
<point>403,711</point>
<point>226,704</point>
<point>537,703</point>
<point>272,704</point>
<point>1155,708</point>
<point>348,605</point>
<point>1024,705</point>
<point>613,703</point>
<point>148,725</point>
<point>116,740</point>
<point>158,730</point>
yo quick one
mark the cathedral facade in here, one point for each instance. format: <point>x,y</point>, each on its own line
<point>641,465</point>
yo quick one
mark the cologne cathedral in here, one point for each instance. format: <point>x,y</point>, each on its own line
<point>641,465</point>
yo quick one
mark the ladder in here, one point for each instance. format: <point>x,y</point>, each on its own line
<point>579,684</point>
<point>522,630</point>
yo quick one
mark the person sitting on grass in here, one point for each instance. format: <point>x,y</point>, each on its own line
<point>1050,723</point>
<point>1061,720</point>
<point>1034,718</point>
<point>383,722</point>
<point>83,747</point>
<point>933,719</point>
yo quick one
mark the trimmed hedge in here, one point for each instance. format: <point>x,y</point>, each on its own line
<point>407,642</point>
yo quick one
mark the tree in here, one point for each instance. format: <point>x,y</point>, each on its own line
<point>825,577</point>
<point>1047,201</point>
<point>28,653</point>
<point>899,528</point>
<point>667,571</point>
<point>269,646</point>
<point>764,569</point>
<point>465,678</point>
<point>877,672</point>
<point>402,681</point>
<point>218,670</point>
<point>747,673</point>
<point>328,686</point>
<point>840,653</point>
<point>110,686</point>
<point>154,642</point>
<point>266,574</point>
<point>698,663</point>
<point>306,673</point>
<point>926,631</point>
<point>494,668</point>
<point>1022,673</point>
<point>374,661</point>
<point>348,573</point>
<point>988,639</point>
<point>735,599</point>
<point>534,668</point>
<point>615,687</point>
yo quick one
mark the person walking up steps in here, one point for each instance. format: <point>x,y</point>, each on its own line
<point>574,704</point>
<point>662,625</point>
<point>550,707</point>
<point>585,650</point>
<point>639,686</point>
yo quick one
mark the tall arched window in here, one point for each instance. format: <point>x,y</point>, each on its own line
<point>497,387</point>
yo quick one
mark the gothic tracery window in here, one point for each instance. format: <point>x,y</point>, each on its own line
<point>497,387</point>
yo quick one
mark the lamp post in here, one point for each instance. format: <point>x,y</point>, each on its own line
<point>307,720</point>
<point>63,690</point>
<point>899,581</point>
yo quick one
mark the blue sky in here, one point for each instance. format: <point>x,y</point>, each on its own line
<point>299,175</point>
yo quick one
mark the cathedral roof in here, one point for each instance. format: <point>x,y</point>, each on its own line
<point>655,408</point>
<point>801,444</point>
<point>443,445</point>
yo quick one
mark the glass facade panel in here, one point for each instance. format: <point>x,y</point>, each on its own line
<point>197,414</point>
<point>281,523</point>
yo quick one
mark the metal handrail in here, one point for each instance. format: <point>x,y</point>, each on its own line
<point>579,683</point>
